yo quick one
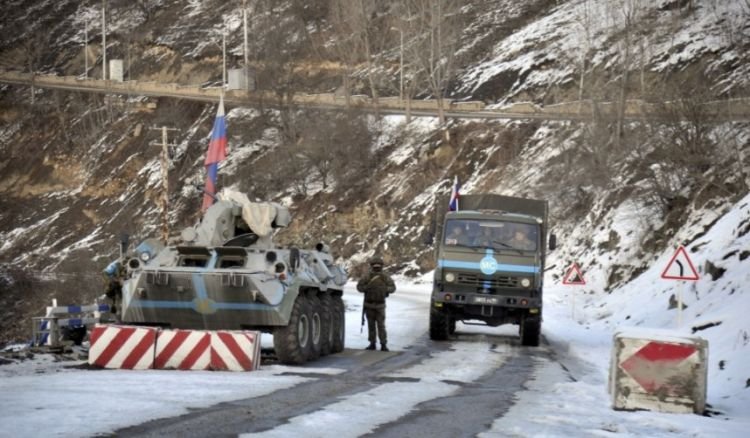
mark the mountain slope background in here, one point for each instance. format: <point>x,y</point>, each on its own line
<point>78,169</point>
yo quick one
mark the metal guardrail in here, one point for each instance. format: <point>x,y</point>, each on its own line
<point>737,109</point>
<point>48,330</point>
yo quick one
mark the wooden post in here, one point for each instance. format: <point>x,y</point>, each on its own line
<point>164,198</point>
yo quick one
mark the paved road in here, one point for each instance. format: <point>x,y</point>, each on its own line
<point>438,389</point>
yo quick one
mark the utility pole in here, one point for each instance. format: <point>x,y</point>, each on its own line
<point>86,48</point>
<point>401,66</point>
<point>104,40</point>
<point>244,18</point>
<point>224,58</point>
<point>164,199</point>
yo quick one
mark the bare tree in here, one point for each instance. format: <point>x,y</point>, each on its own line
<point>627,16</point>
<point>336,147</point>
<point>411,73</point>
<point>345,45</point>
<point>585,20</point>
<point>689,150</point>
<point>33,50</point>
<point>362,35</point>
<point>434,28</point>
<point>282,45</point>
<point>319,148</point>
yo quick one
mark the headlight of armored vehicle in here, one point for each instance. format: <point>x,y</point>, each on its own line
<point>525,282</point>
<point>145,256</point>
<point>450,277</point>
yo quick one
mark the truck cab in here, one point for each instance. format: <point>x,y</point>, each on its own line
<point>490,265</point>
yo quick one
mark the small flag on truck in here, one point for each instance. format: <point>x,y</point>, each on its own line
<point>455,195</point>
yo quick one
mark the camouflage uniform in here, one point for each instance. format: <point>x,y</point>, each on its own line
<point>113,275</point>
<point>376,286</point>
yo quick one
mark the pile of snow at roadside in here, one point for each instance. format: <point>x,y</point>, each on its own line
<point>714,308</point>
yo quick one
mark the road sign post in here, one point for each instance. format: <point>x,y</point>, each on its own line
<point>573,277</point>
<point>680,268</point>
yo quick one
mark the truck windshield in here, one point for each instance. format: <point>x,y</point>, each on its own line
<point>475,233</point>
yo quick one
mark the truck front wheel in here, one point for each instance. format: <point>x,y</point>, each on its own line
<point>530,330</point>
<point>439,325</point>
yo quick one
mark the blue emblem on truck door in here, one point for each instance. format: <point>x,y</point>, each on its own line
<point>488,265</point>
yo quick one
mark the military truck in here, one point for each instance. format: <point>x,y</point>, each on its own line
<point>490,265</point>
<point>226,274</point>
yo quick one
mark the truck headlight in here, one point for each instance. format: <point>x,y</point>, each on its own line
<point>450,277</point>
<point>525,282</point>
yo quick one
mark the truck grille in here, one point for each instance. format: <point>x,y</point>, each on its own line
<point>494,282</point>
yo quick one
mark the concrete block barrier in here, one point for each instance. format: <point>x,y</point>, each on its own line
<point>658,370</point>
<point>122,347</point>
<point>183,350</point>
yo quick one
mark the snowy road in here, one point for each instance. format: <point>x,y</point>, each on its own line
<point>406,392</point>
<point>480,383</point>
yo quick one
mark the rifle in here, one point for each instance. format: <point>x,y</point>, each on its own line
<point>362,327</point>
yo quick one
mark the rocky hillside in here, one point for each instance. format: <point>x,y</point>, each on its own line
<point>79,169</point>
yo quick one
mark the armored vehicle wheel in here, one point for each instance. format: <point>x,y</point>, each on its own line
<point>338,324</point>
<point>316,332</point>
<point>439,325</point>
<point>451,326</point>
<point>530,329</point>
<point>292,342</point>
<point>326,306</point>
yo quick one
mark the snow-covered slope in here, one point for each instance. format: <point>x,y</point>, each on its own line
<point>609,36</point>
<point>64,203</point>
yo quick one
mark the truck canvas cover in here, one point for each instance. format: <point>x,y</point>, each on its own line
<point>509,204</point>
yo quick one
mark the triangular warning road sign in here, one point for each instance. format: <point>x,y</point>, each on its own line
<point>680,267</point>
<point>573,276</point>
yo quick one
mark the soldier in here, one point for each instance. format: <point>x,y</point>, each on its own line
<point>376,286</point>
<point>485,238</point>
<point>521,240</point>
<point>114,273</point>
<point>457,236</point>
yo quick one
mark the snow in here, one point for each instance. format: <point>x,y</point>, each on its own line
<point>572,388</point>
<point>549,50</point>
<point>661,335</point>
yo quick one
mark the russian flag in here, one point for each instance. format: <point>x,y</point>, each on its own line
<point>217,151</point>
<point>455,195</point>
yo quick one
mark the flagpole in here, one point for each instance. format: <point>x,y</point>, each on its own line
<point>458,197</point>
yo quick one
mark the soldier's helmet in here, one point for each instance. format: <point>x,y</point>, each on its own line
<point>376,261</point>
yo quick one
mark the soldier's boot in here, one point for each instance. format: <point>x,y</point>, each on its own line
<point>383,348</point>
<point>371,346</point>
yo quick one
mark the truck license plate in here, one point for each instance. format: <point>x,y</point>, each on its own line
<point>485,300</point>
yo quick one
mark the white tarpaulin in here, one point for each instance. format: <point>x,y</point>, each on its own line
<point>257,215</point>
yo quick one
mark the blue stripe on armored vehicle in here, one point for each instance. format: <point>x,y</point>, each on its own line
<point>226,274</point>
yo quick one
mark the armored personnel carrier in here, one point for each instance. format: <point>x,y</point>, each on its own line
<point>226,274</point>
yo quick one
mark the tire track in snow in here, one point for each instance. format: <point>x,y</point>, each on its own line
<point>437,377</point>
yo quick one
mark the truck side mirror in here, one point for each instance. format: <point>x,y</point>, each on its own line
<point>429,238</point>
<point>552,242</point>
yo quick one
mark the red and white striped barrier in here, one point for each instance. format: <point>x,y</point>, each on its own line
<point>122,347</point>
<point>142,348</point>
<point>658,370</point>
<point>235,351</point>
<point>183,350</point>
